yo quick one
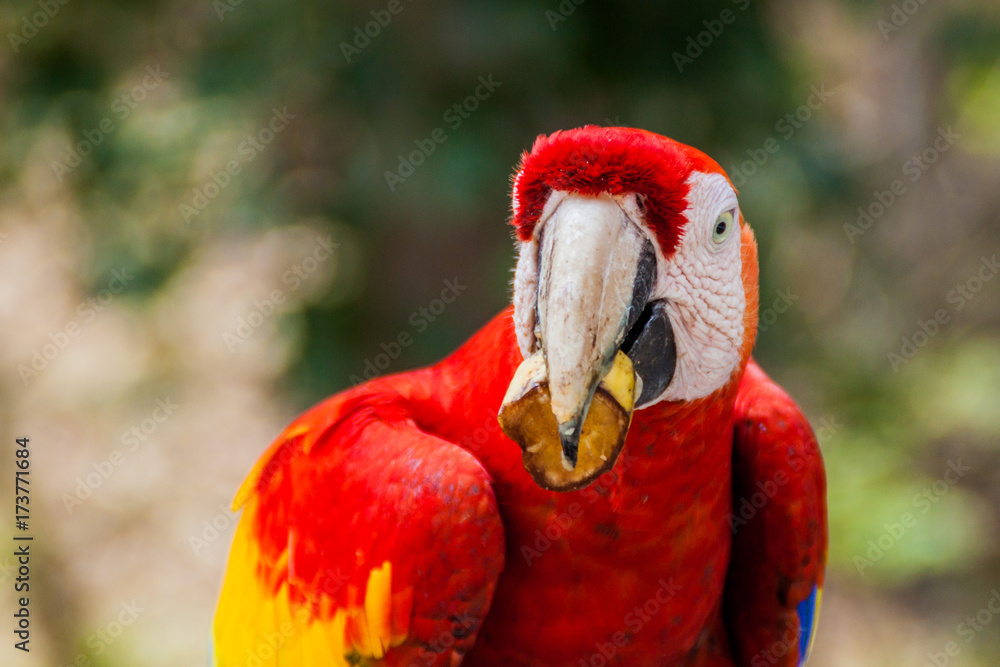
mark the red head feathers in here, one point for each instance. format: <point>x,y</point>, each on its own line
<point>615,160</point>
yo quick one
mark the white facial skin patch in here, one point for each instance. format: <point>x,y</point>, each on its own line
<point>703,286</point>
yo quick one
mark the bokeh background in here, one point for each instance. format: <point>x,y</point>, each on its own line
<point>161,318</point>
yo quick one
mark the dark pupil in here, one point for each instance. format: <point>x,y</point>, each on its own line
<point>720,228</point>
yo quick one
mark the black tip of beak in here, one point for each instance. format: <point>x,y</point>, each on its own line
<point>569,437</point>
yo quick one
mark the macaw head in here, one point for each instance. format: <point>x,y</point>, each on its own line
<point>635,271</point>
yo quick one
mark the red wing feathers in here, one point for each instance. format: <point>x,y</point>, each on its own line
<point>363,541</point>
<point>778,519</point>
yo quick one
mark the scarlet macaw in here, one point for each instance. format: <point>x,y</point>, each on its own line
<point>397,524</point>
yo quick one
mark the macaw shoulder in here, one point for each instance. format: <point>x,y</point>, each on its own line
<point>776,453</point>
<point>324,431</point>
<point>365,535</point>
<point>778,520</point>
<point>769,413</point>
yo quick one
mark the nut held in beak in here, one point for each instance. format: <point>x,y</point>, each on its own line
<point>526,417</point>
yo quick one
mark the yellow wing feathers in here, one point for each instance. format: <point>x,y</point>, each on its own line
<point>260,623</point>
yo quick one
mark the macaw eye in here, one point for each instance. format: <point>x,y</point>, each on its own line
<point>723,226</point>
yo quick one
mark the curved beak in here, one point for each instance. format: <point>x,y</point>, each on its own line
<point>596,271</point>
<point>602,348</point>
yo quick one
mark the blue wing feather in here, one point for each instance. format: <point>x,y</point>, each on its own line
<point>808,612</point>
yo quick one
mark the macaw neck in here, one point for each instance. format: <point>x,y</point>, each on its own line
<point>670,445</point>
<point>666,434</point>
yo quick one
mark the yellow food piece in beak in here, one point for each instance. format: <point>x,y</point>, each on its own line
<point>526,417</point>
